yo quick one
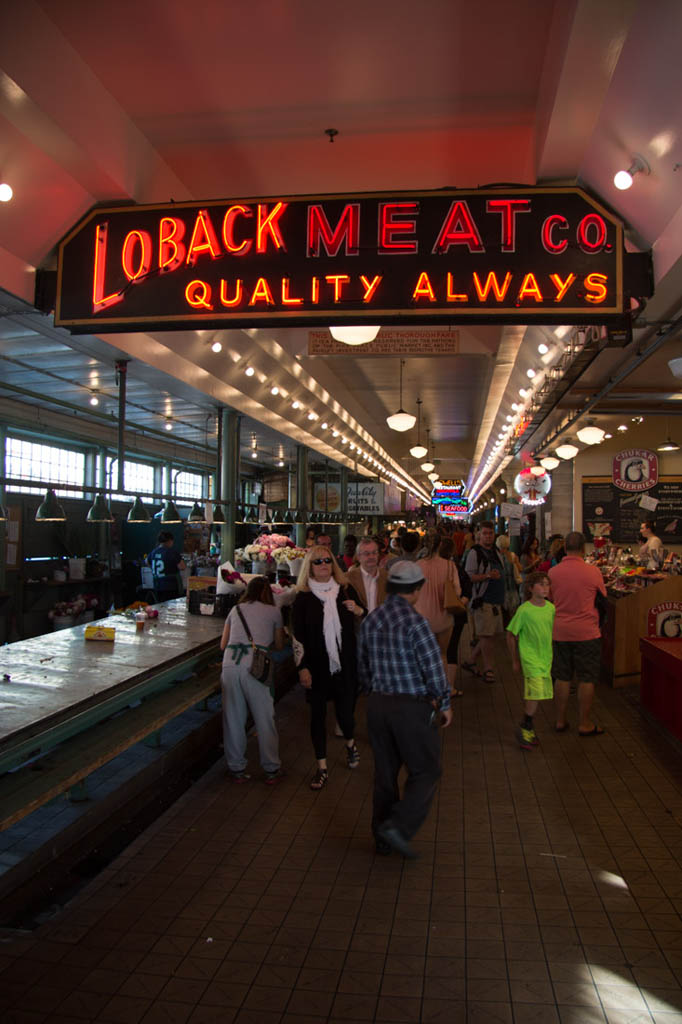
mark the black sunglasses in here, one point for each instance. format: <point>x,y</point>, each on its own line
<point>322,561</point>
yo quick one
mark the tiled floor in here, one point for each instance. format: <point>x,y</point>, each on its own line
<point>549,888</point>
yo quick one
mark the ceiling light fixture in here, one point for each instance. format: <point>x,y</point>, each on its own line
<point>170,513</point>
<point>94,400</point>
<point>249,371</point>
<point>567,450</point>
<point>274,390</point>
<point>51,509</point>
<point>623,179</point>
<point>138,512</point>
<point>401,420</point>
<point>668,446</point>
<point>216,347</point>
<point>622,427</point>
<point>550,462</point>
<point>537,470</point>
<point>591,434</point>
<point>296,405</point>
<point>419,451</point>
<point>99,511</point>
<point>6,192</point>
<point>543,349</point>
<point>357,335</point>
<point>428,465</point>
<point>168,424</point>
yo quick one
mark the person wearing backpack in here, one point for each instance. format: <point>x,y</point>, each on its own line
<point>486,572</point>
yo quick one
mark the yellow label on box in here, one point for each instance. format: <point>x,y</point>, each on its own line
<point>100,632</point>
<point>201,583</point>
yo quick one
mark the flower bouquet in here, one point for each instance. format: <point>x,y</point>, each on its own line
<point>295,558</point>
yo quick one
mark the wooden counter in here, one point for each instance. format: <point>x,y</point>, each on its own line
<point>661,683</point>
<point>627,622</point>
<point>57,685</point>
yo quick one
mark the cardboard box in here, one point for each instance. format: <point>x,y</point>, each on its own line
<point>100,633</point>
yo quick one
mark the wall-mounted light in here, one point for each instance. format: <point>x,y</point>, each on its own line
<point>623,179</point>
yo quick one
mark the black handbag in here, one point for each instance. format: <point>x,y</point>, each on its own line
<point>261,663</point>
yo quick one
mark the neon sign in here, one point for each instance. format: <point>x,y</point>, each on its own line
<point>457,508</point>
<point>540,255</point>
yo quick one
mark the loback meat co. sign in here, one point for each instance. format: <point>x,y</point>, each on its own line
<point>516,255</point>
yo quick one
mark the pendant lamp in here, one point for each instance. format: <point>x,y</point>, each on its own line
<point>300,516</point>
<point>99,511</point>
<point>360,335</point>
<point>138,512</point>
<point>591,434</point>
<point>550,462</point>
<point>197,514</point>
<point>252,515</point>
<point>3,514</point>
<point>567,450</point>
<point>401,420</point>
<point>668,446</point>
<point>288,518</point>
<point>427,466</point>
<point>51,510</point>
<point>218,515</point>
<point>418,451</point>
<point>170,513</point>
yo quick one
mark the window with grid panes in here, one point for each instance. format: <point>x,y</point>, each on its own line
<point>189,485</point>
<point>43,462</point>
<point>138,477</point>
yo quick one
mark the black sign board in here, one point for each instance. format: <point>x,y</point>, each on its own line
<point>544,255</point>
<point>611,512</point>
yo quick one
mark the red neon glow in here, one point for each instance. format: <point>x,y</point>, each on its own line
<point>338,280</point>
<point>130,243</point>
<point>459,228</point>
<point>315,291</point>
<point>198,295</point>
<point>268,227</point>
<point>423,288</point>
<point>596,283</point>
<point>171,248</point>
<point>370,286</point>
<point>453,296</point>
<point>397,219</point>
<point>590,223</point>
<point>288,300</point>
<point>561,286</point>
<point>508,208</point>
<point>204,239</point>
<point>228,230</point>
<point>530,289</point>
<point>346,232</point>
<point>261,293</point>
<point>238,293</point>
<point>556,220</point>
<point>99,299</point>
<point>492,284</point>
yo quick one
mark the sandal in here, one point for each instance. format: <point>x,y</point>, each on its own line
<point>488,676</point>
<point>352,756</point>
<point>456,693</point>
<point>319,779</point>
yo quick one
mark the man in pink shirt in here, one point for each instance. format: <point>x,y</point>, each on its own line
<point>577,637</point>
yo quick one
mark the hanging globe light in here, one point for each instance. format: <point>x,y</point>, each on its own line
<point>354,335</point>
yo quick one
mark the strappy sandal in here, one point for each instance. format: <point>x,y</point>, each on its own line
<point>488,676</point>
<point>319,779</point>
<point>352,756</point>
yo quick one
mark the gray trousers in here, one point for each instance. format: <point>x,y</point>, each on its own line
<point>241,694</point>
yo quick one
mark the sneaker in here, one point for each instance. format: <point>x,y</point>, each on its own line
<point>352,756</point>
<point>272,778</point>
<point>527,738</point>
<point>240,776</point>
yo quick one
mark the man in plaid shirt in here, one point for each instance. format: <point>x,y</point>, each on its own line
<point>400,666</point>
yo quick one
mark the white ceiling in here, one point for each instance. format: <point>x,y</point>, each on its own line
<point>159,99</point>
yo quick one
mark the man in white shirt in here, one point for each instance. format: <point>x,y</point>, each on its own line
<point>367,578</point>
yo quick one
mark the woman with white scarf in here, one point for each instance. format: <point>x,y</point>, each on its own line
<point>323,632</point>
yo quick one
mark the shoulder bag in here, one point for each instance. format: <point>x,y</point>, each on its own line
<point>261,663</point>
<point>452,602</point>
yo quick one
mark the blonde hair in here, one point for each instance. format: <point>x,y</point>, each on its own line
<point>318,551</point>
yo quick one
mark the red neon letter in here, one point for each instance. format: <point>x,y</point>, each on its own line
<point>453,296</point>
<point>556,219</point>
<point>390,226</point>
<point>370,286</point>
<point>228,230</point>
<point>268,225</point>
<point>491,282</point>
<point>171,249</point>
<point>508,208</point>
<point>315,290</point>
<point>561,286</point>
<point>288,300</point>
<point>204,239</point>
<point>261,293</point>
<point>347,231</point>
<point>459,229</point>
<point>597,284</point>
<point>591,220</point>
<point>423,289</point>
<point>338,280</point>
<point>530,289</point>
<point>99,299</point>
<point>238,292</point>
<point>198,294</point>
<point>144,240</point>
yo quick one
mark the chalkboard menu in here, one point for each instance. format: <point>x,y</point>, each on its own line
<point>615,514</point>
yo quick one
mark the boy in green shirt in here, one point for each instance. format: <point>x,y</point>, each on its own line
<point>529,638</point>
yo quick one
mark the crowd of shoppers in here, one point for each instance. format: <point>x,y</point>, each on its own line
<point>386,617</point>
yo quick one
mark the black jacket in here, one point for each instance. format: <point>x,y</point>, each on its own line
<point>307,617</point>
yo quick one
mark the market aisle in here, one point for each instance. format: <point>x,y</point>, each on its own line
<point>549,888</point>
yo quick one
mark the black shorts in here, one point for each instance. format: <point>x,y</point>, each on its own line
<point>579,658</point>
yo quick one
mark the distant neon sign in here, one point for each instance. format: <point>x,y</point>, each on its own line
<point>526,255</point>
